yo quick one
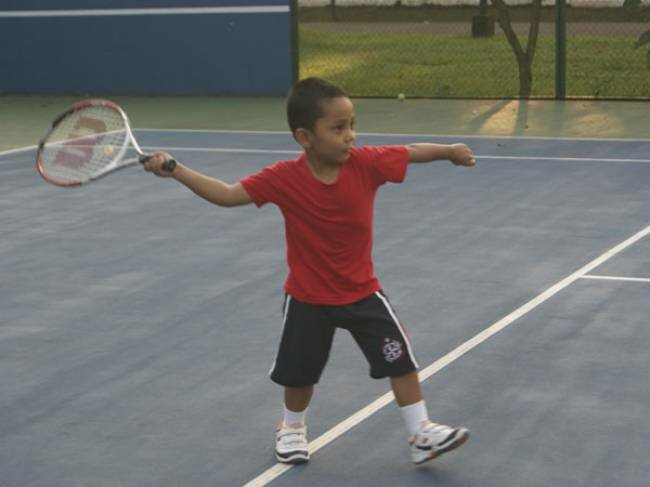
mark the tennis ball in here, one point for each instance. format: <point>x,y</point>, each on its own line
<point>401,97</point>
<point>108,149</point>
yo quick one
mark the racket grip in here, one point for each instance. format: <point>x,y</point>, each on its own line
<point>168,166</point>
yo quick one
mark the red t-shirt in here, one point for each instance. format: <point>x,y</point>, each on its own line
<point>328,227</point>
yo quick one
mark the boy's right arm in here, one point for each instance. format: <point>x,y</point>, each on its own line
<point>211,189</point>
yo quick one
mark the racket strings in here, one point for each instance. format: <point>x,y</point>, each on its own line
<point>84,144</point>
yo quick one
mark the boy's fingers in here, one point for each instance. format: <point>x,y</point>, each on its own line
<point>150,165</point>
<point>466,156</point>
<point>155,161</point>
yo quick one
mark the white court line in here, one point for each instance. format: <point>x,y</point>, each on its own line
<point>617,278</point>
<point>574,159</point>
<point>217,131</point>
<point>141,11</point>
<point>477,156</point>
<point>231,150</point>
<point>511,137</point>
<point>329,436</point>
<point>19,149</point>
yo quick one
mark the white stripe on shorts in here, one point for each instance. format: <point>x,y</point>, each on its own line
<point>285,313</point>
<point>399,327</point>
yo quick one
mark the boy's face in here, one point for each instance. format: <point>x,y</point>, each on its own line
<point>333,136</point>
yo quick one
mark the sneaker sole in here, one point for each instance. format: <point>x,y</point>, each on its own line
<point>459,440</point>
<point>293,458</point>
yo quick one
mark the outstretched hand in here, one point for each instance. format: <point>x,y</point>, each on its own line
<point>155,162</point>
<point>461,155</point>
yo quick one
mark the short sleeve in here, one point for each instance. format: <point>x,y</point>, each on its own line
<point>387,164</point>
<point>263,187</point>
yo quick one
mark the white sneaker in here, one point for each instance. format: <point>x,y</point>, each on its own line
<point>291,444</point>
<point>435,439</point>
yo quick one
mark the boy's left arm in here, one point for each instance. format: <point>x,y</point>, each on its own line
<point>458,154</point>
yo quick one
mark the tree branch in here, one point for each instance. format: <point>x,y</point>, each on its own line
<point>535,16</point>
<point>506,25</point>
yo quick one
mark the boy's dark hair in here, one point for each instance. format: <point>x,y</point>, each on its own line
<point>304,105</point>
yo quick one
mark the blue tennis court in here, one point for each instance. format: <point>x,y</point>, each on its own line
<point>138,322</point>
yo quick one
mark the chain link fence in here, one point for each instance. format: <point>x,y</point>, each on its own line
<point>477,48</point>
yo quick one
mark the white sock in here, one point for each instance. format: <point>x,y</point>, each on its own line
<point>414,415</point>
<point>293,417</point>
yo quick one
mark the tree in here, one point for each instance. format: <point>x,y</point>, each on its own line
<point>526,56</point>
<point>333,10</point>
<point>635,9</point>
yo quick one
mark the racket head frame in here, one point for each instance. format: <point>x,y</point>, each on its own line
<point>117,163</point>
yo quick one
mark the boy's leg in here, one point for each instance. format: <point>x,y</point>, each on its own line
<point>408,396</point>
<point>304,348</point>
<point>385,343</point>
<point>296,402</point>
<point>298,398</point>
<point>406,389</point>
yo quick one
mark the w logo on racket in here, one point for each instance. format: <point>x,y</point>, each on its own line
<point>84,137</point>
<point>392,350</point>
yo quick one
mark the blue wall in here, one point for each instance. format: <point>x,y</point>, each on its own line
<point>216,54</point>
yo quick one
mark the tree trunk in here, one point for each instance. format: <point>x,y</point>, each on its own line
<point>525,79</point>
<point>524,58</point>
<point>333,10</point>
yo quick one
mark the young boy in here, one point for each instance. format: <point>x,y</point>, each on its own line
<point>326,197</point>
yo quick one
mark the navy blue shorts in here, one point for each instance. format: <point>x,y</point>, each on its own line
<point>308,333</point>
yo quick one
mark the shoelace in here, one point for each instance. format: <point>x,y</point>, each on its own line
<point>291,438</point>
<point>438,428</point>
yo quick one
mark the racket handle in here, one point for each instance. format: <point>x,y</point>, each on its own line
<point>168,166</point>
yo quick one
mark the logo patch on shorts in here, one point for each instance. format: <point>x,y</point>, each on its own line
<point>392,350</point>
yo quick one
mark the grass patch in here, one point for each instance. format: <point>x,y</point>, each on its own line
<point>454,65</point>
<point>436,13</point>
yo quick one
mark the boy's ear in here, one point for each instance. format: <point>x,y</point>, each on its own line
<point>303,137</point>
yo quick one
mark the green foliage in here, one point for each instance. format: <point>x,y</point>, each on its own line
<point>636,10</point>
<point>422,64</point>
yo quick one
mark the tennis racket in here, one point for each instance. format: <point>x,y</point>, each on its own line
<point>89,140</point>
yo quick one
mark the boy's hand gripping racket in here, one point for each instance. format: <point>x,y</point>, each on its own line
<point>87,141</point>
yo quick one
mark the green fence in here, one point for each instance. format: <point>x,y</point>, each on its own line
<point>477,50</point>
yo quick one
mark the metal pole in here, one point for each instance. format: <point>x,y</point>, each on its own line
<point>560,49</point>
<point>295,51</point>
